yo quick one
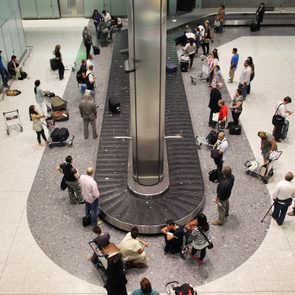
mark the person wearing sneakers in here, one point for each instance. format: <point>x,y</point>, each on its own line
<point>90,194</point>
<point>282,197</point>
<point>233,65</point>
<point>224,189</point>
<point>201,238</point>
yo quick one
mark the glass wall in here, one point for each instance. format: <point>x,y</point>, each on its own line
<point>248,3</point>
<point>12,40</point>
<point>39,9</point>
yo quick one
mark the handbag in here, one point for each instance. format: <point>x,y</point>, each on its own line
<point>215,117</point>
<point>210,246</point>
<point>278,120</point>
<point>216,23</point>
<point>63,184</point>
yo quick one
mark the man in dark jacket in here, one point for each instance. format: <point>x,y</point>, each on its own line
<point>87,39</point>
<point>215,96</point>
<point>224,189</point>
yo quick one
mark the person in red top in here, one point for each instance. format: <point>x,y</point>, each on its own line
<point>222,113</point>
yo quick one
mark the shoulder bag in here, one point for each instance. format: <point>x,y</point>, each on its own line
<point>210,246</point>
<point>278,120</point>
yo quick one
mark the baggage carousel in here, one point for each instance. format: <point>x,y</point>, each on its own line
<point>184,198</point>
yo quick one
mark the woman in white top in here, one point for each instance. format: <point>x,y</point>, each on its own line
<point>190,50</point>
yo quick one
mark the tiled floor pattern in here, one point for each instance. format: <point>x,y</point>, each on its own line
<point>24,267</point>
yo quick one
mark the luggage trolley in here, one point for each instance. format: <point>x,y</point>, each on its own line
<point>265,171</point>
<point>12,119</point>
<point>204,75</point>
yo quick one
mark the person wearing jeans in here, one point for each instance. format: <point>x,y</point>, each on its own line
<point>282,196</point>
<point>245,79</point>
<point>90,194</point>
<point>4,73</point>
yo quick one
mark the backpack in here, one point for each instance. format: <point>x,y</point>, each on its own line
<point>184,289</point>
<point>79,77</point>
<point>90,86</point>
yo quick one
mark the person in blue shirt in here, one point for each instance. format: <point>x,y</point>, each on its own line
<point>233,65</point>
<point>145,288</point>
<point>3,72</point>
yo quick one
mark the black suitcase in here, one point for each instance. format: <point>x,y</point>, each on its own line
<point>213,175</point>
<point>184,66</point>
<point>53,64</point>
<point>212,137</point>
<point>235,129</point>
<point>96,50</point>
<point>60,134</point>
<point>253,27</point>
<point>86,220</point>
<point>171,67</point>
<point>285,130</point>
<point>114,105</point>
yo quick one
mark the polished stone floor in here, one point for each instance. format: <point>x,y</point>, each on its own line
<point>26,269</point>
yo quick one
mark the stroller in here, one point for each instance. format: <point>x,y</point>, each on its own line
<point>59,137</point>
<point>174,288</point>
<point>265,171</point>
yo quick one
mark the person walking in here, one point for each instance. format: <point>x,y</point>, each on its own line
<point>282,197</point>
<point>267,145</point>
<point>60,65</point>
<point>237,106</point>
<point>281,113</point>
<point>220,18</point>
<point>90,195</point>
<point>87,39</point>
<point>224,189</point>
<point>190,49</point>
<point>88,111</point>
<point>3,72</point>
<point>145,288</point>
<point>37,124</point>
<point>71,176</point>
<point>233,65</point>
<point>201,238</point>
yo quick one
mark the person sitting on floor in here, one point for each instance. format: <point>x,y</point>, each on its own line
<point>14,68</point>
<point>173,234</point>
<point>132,249</point>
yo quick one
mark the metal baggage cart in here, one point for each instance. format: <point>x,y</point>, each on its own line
<point>12,120</point>
<point>204,75</point>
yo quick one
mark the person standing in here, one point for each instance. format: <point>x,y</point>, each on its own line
<point>224,189</point>
<point>282,196</point>
<point>220,18</point>
<point>251,64</point>
<point>190,50</point>
<point>116,276</point>
<point>215,96</point>
<point>132,249</point>
<point>222,117</point>
<point>201,238</point>
<point>221,146</point>
<point>90,195</point>
<point>40,98</point>
<point>206,38</point>
<point>282,112</point>
<point>145,288</point>
<point>237,106</point>
<point>3,71</point>
<point>90,80</point>
<point>260,14</point>
<point>245,79</point>
<point>71,176</point>
<point>233,65</point>
<point>37,124</point>
<point>88,111</point>
<point>60,65</point>
<point>87,39</point>
<point>96,16</point>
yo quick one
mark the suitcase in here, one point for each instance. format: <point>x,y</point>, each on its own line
<point>213,175</point>
<point>86,220</point>
<point>285,130</point>
<point>114,105</point>
<point>58,104</point>
<point>96,50</point>
<point>171,67</point>
<point>59,116</point>
<point>212,137</point>
<point>53,64</point>
<point>235,129</point>
<point>60,134</point>
<point>253,27</point>
<point>184,63</point>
